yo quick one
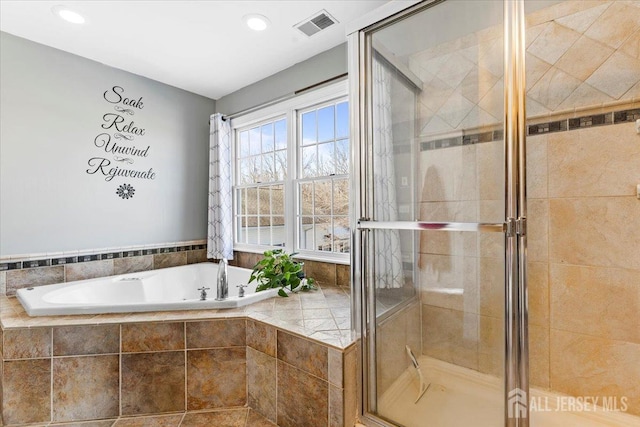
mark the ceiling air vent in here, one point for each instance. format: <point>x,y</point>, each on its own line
<point>316,23</point>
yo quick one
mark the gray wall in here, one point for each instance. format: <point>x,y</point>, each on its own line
<point>324,66</point>
<point>51,112</point>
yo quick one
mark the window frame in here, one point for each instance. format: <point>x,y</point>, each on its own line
<point>288,109</point>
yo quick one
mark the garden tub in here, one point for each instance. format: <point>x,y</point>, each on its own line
<point>174,288</point>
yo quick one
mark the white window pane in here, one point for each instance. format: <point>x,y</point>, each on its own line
<point>281,165</point>
<point>256,168</point>
<point>247,173</point>
<point>264,202</point>
<point>242,235</point>
<point>278,231</point>
<point>341,234</point>
<point>252,230</point>
<point>341,197</point>
<point>277,200</point>
<point>255,146</point>
<point>325,159</point>
<point>244,144</point>
<point>342,157</point>
<point>281,134</point>
<point>342,120</point>
<point>323,233</point>
<point>309,162</point>
<point>306,233</point>
<point>241,199</point>
<point>252,201</point>
<point>267,137</point>
<point>309,131</point>
<point>326,123</point>
<point>268,168</point>
<point>322,198</point>
<point>306,199</point>
<point>264,231</point>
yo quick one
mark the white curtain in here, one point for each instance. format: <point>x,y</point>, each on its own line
<point>220,229</point>
<point>388,256</point>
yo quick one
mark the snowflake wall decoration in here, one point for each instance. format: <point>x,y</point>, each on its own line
<point>125,191</point>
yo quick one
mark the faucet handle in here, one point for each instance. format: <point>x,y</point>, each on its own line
<point>241,289</point>
<point>203,289</point>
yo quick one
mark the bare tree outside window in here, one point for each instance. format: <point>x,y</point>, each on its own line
<point>320,181</point>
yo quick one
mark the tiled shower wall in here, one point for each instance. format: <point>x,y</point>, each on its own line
<point>76,373</point>
<point>583,166</point>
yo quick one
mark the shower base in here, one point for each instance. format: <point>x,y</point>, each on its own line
<point>460,397</point>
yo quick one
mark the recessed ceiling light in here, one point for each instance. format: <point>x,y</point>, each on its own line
<point>256,22</point>
<point>68,14</point>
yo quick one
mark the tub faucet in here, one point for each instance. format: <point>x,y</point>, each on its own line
<point>223,284</point>
<point>203,293</point>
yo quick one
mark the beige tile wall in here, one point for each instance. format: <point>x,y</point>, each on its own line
<point>583,217</point>
<point>80,373</point>
<point>584,266</point>
<point>12,280</point>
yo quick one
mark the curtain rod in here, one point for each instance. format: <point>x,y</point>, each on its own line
<point>284,97</point>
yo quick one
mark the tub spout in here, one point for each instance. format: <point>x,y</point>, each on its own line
<point>223,284</point>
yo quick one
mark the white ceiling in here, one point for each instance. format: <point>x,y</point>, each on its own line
<point>200,46</point>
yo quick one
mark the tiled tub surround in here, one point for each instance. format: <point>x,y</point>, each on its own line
<point>36,270</point>
<point>41,269</point>
<point>291,361</point>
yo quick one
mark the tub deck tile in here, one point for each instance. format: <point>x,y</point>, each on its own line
<point>296,315</point>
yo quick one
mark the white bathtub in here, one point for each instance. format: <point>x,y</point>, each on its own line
<point>173,288</point>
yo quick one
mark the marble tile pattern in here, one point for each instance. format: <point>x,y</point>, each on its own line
<point>82,340</point>
<point>216,378</point>
<point>152,382</point>
<point>578,54</point>
<point>582,59</point>
<point>134,264</point>
<point>26,387</point>
<point>152,337</point>
<point>75,398</point>
<point>216,333</point>
<point>17,279</point>
<point>173,259</point>
<point>88,270</point>
<point>302,398</point>
<point>261,382</point>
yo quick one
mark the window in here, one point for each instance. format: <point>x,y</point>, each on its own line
<point>323,173</point>
<point>291,174</point>
<point>261,159</point>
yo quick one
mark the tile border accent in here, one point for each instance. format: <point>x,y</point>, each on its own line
<point>27,261</point>
<point>568,124</point>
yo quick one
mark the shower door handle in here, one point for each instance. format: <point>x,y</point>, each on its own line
<point>365,224</point>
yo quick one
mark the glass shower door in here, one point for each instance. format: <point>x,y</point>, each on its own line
<point>432,216</point>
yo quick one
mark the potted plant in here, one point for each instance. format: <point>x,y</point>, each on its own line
<point>278,270</point>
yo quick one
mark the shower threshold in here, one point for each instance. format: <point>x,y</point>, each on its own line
<point>459,397</point>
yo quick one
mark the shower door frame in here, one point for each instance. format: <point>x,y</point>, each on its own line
<point>516,362</point>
